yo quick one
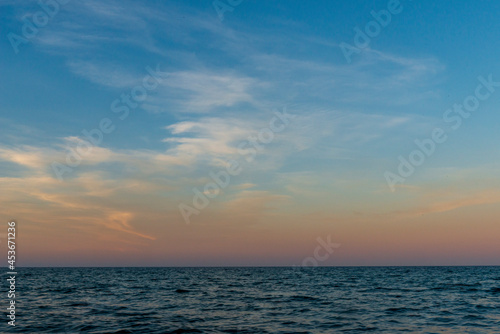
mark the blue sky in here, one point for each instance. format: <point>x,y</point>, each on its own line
<point>221,82</point>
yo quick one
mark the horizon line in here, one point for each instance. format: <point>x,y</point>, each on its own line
<point>292,267</point>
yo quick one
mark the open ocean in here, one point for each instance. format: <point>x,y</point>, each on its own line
<point>258,300</point>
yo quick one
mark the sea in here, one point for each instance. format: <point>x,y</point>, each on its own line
<point>257,300</point>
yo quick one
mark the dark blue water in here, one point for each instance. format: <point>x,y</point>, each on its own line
<point>258,300</point>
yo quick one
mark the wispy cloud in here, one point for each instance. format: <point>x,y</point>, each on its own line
<point>202,91</point>
<point>104,74</point>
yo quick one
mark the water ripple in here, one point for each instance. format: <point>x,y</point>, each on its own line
<point>259,300</point>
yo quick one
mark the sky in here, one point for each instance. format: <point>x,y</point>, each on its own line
<point>250,133</point>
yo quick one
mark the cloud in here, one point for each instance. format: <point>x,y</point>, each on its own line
<point>198,91</point>
<point>87,199</point>
<point>120,221</point>
<point>196,85</point>
<point>104,74</point>
<point>378,77</point>
<point>208,138</point>
<point>27,156</point>
<point>449,202</point>
<point>447,189</point>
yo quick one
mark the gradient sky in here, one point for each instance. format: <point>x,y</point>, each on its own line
<point>221,82</point>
